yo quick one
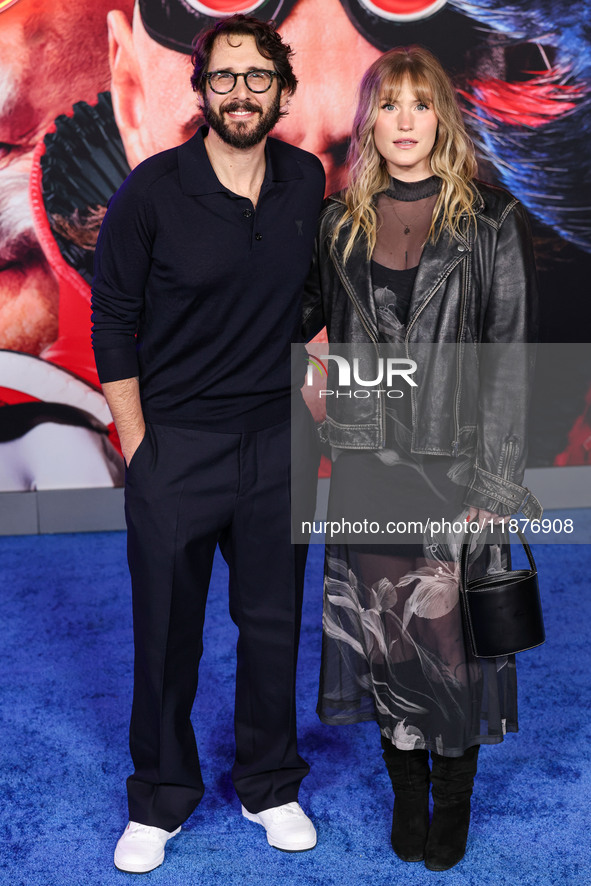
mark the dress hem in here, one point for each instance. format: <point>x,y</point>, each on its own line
<point>511,727</point>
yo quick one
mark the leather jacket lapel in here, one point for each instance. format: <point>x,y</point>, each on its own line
<point>437,262</point>
<point>355,277</point>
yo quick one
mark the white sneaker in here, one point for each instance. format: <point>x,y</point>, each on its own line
<point>141,848</point>
<point>288,827</point>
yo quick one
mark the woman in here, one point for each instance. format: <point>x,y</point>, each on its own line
<point>415,251</point>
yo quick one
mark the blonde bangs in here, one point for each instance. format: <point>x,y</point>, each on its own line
<point>391,85</point>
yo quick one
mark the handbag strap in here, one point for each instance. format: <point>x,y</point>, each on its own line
<point>466,550</point>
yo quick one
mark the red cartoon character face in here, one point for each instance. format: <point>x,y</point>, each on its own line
<point>42,42</point>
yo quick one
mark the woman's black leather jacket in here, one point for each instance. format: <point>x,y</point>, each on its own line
<point>476,292</point>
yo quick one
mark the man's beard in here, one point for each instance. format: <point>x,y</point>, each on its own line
<point>237,135</point>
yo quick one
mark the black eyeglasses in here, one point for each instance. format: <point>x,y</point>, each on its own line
<point>223,82</point>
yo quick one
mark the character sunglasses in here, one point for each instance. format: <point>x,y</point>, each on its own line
<point>173,23</point>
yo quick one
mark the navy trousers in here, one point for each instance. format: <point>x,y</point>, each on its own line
<point>186,492</point>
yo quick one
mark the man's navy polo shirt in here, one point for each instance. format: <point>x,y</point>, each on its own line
<point>198,292</point>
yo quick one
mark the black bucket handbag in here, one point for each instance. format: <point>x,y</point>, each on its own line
<point>502,612</point>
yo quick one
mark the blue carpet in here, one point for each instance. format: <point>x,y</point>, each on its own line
<point>66,695</point>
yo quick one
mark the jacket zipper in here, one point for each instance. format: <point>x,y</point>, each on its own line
<point>455,443</point>
<point>509,456</point>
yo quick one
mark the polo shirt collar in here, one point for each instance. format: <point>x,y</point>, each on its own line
<point>198,178</point>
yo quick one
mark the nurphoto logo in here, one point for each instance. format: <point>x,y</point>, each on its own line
<point>386,372</point>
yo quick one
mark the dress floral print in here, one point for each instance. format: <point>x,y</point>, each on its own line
<point>396,653</point>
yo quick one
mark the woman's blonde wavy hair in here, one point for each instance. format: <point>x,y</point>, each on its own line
<point>452,158</point>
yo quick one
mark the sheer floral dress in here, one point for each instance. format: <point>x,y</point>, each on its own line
<point>393,648</point>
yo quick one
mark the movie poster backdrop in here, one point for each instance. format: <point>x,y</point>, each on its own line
<point>90,88</point>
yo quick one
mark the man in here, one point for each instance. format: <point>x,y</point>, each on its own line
<point>203,252</point>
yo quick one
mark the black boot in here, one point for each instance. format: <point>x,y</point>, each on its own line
<point>453,780</point>
<point>409,774</point>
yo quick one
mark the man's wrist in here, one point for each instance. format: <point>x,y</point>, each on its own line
<point>130,443</point>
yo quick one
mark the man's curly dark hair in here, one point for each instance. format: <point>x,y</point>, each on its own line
<point>268,43</point>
